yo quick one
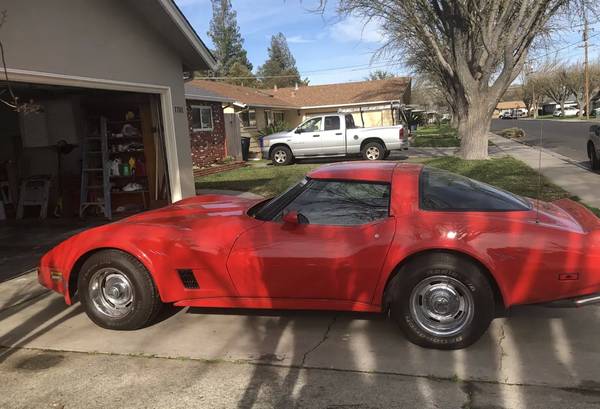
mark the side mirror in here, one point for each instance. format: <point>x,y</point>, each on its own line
<point>297,130</point>
<point>291,217</point>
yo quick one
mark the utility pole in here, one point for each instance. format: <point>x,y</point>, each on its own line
<point>586,61</point>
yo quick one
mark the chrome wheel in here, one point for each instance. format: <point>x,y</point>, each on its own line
<point>111,292</point>
<point>441,305</point>
<point>280,156</point>
<point>373,153</point>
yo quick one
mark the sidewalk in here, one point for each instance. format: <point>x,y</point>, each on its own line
<point>559,169</point>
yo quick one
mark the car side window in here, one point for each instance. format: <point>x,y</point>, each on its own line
<point>332,123</point>
<point>312,125</point>
<point>445,191</point>
<point>337,203</point>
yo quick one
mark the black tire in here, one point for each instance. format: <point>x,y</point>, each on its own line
<point>457,269</point>
<point>370,148</point>
<point>282,152</point>
<point>145,303</point>
<point>594,160</point>
<point>387,154</point>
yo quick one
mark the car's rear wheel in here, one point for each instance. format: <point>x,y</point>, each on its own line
<point>442,301</point>
<point>117,292</point>
<point>281,156</point>
<point>373,151</point>
<point>594,160</point>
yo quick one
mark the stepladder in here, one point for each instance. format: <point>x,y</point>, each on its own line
<point>95,172</point>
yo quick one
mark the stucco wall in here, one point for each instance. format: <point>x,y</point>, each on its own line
<point>98,39</point>
<point>208,147</point>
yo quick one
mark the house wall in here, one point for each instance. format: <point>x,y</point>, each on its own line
<point>99,39</point>
<point>207,147</point>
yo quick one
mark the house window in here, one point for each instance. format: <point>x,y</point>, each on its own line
<point>278,117</point>
<point>248,118</point>
<point>202,118</point>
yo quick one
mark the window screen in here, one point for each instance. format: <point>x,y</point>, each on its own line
<point>342,203</point>
<point>445,191</point>
<point>202,118</point>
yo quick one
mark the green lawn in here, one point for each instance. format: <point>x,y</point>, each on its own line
<point>506,173</point>
<point>264,180</point>
<point>435,137</point>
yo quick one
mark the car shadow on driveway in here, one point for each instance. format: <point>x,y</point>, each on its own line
<point>530,346</point>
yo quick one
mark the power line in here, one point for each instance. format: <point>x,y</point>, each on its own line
<point>381,64</point>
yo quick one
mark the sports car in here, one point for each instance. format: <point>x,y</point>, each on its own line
<point>441,254</point>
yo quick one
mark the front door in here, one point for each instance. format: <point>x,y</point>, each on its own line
<point>336,253</point>
<point>307,139</point>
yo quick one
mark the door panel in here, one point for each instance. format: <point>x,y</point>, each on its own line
<point>308,142</point>
<point>278,260</point>
<point>333,138</point>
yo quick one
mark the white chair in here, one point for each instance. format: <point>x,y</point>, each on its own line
<point>34,192</point>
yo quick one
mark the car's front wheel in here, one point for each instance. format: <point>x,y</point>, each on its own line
<point>117,292</point>
<point>442,301</point>
<point>281,156</point>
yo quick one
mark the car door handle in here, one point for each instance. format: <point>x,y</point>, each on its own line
<point>338,133</point>
<point>316,136</point>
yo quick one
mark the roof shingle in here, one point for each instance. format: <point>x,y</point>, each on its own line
<point>309,96</point>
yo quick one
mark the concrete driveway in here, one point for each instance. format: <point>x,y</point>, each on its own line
<point>53,355</point>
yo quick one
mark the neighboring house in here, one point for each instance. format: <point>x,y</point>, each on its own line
<point>372,103</point>
<point>207,127</point>
<point>508,105</point>
<point>77,62</point>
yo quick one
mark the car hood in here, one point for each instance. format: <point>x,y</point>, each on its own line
<point>188,211</point>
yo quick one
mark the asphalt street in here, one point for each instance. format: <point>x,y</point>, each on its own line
<point>567,138</point>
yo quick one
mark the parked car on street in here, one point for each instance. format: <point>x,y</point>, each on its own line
<point>440,253</point>
<point>333,135</point>
<point>593,147</point>
<point>513,114</point>
<point>568,112</point>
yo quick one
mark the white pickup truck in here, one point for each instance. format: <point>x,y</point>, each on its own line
<point>333,135</point>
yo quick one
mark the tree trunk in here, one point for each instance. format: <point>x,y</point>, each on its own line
<point>473,127</point>
<point>562,108</point>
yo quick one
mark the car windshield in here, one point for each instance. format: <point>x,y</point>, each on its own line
<point>445,191</point>
<point>266,209</point>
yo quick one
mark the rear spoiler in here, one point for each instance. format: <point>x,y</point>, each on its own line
<point>584,216</point>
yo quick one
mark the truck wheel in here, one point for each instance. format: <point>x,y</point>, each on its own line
<point>373,151</point>
<point>281,156</point>
<point>387,154</point>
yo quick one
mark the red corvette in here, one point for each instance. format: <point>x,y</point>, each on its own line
<point>441,253</point>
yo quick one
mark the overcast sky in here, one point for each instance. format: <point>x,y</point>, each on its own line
<point>327,49</point>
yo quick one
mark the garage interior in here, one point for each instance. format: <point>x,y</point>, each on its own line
<point>71,158</point>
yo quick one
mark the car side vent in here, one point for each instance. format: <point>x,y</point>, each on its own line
<point>188,279</point>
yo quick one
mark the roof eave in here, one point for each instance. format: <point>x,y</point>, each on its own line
<point>188,31</point>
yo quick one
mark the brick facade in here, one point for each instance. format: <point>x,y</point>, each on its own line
<point>208,147</point>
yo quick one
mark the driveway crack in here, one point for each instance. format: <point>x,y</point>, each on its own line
<point>501,339</point>
<point>321,341</point>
